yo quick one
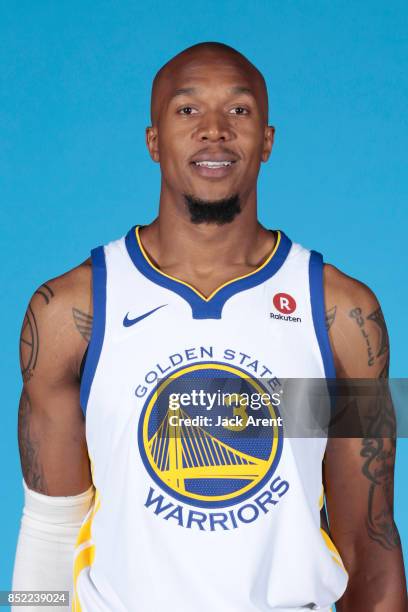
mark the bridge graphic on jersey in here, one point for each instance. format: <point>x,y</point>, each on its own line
<point>183,452</point>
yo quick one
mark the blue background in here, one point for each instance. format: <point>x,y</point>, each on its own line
<point>75,171</point>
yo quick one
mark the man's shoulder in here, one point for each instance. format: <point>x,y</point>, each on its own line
<point>356,325</point>
<point>344,290</point>
<point>57,324</point>
<point>73,287</point>
<point>75,283</point>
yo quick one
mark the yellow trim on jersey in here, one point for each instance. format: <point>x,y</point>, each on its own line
<point>335,553</point>
<point>84,552</point>
<point>85,558</point>
<point>328,541</point>
<point>201,295</point>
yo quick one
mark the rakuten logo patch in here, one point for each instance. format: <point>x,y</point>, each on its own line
<point>285,304</point>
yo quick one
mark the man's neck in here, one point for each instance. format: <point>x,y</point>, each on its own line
<point>206,255</point>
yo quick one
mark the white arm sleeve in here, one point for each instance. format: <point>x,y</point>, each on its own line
<point>45,547</point>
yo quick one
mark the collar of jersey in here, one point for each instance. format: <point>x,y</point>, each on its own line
<point>209,307</point>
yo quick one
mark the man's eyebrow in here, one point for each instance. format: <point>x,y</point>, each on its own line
<point>183,91</point>
<point>237,89</point>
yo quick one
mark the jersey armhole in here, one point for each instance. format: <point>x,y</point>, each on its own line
<point>319,313</point>
<point>98,324</point>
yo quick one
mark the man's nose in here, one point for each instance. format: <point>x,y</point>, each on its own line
<point>214,128</point>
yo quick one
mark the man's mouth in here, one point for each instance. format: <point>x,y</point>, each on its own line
<point>213,168</point>
<point>214,164</point>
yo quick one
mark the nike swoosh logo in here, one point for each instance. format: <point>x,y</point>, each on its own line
<point>129,322</point>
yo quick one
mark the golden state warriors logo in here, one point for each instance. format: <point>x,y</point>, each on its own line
<point>201,443</point>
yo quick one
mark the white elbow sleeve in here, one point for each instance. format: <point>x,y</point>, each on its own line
<point>45,547</point>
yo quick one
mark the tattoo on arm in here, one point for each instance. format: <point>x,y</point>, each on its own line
<point>383,345</point>
<point>330,316</point>
<point>28,443</point>
<point>378,318</point>
<point>29,448</point>
<point>29,345</point>
<point>378,467</point>
<point>384,371</point>
<point>357,315</point>
<point>29,337</point>
<point>46,292</point>
<point>378,451</point>
<point>83,323</point>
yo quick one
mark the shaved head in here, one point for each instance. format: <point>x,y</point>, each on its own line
<point>199,56</point>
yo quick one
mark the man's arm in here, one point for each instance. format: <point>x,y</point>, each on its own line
<point>51,427</point>
<point>359,472</point>
<point>51,431</point>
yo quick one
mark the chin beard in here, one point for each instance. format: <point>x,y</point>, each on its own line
<point>213,211</point>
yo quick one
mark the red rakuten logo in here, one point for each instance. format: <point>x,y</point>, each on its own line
<point>284,302</point>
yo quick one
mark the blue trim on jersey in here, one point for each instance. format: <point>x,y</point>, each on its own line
<point>318,312</point>
<point>98,324</point>
<point>211,309</point>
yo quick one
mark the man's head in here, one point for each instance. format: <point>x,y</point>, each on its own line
<point>209,113</point>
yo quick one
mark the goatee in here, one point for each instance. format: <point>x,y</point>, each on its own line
<point>213,211</point>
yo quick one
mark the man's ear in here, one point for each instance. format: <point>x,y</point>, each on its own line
<point>268,142</point>
<point>152,142</point>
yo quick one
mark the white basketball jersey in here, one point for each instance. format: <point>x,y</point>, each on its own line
<point>199,506</point>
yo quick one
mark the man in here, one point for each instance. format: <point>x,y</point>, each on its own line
<point>123,356</point>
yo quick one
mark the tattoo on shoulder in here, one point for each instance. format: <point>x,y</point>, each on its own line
<point>46,292</point>
<point>330,316</point>
<point>357,315</point>
<point>83,323</point>
<point>384,372</point>
<point>378,318</point>
<point>29,337</point>
<point>382,348</point>
<point>29,448</point>
<point>29,345</point>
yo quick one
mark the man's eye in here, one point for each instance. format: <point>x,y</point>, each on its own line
<point>187,110</point>
<point>239,110</point>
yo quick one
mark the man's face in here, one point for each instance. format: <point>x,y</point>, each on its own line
<point>211,134</point>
